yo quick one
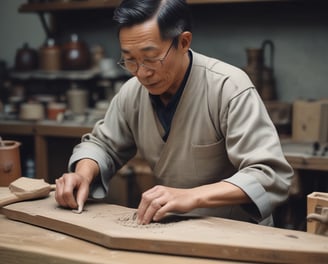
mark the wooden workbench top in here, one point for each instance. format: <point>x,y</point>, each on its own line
<point>115,228</point>
<point>24,243</point>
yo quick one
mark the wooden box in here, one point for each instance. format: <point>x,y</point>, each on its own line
<point>315,202</point>
<point>310,121</point>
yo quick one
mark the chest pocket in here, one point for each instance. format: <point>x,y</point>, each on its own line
<point>211,162</point>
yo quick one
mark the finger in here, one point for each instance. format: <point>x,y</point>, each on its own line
<point>68,193</point>
<point>161,212</point>
<point>143,205</point>
<point>152,209</point>
<point>59,192</point>
<point>81,197</point>
<point>146,199</point>
<point>79,210</point>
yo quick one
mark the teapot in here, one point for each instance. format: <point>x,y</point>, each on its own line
<point>75,54</point>
<point>26,58</point>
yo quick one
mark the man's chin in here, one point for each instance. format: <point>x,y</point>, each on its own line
<point>153,89</point>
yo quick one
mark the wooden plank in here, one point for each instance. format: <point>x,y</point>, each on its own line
<point>26,244</point>
<point>113,227</point>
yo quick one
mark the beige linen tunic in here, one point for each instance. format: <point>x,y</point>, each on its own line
<point>220,131</point>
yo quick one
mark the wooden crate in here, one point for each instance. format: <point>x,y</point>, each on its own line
<point>315,202</point>
<point>310,121</point>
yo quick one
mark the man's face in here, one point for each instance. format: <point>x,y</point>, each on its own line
<point>142,43</point>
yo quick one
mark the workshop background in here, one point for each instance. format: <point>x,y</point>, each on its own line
<point>282,45</point>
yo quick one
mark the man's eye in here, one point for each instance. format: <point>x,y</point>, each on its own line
<point>151,57</point>
<point>150,60</point>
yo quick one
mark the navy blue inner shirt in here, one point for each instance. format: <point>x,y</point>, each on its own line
<point>166,113</point>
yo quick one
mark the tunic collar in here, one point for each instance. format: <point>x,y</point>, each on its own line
<point>166,113</point>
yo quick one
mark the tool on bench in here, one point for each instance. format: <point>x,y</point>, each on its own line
<point>24,189</point>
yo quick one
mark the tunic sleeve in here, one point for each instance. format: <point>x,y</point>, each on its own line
<point>253,147</point>
<point>110,144</point>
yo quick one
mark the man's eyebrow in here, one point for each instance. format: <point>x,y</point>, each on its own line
<point>148,48</point>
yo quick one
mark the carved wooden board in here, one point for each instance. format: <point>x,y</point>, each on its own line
<point>113,227</point>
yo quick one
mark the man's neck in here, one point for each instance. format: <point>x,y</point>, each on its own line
<point>167,96</point>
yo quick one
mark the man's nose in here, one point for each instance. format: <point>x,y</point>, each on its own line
<point>143,71</point>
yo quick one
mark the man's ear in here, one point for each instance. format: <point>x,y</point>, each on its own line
<point>185,40</point>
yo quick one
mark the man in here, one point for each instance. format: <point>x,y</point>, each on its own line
<point>197,121</point>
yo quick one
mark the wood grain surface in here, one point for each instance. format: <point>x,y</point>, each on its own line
<point>27,244</point>
<point>113,227</point>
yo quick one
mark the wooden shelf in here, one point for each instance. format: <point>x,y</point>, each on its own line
<point>196,2</point>
<point>110,4</point>
<point>66,75</point>
<point>73,5</point>
<point>41,131</point>
<point>17,127</point>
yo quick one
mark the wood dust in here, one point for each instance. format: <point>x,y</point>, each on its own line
<point>130,220</point>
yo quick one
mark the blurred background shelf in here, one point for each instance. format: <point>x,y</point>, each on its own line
<point>68,75</point>
<point>110,4</point>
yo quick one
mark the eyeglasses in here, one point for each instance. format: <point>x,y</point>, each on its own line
<point>150,64</point>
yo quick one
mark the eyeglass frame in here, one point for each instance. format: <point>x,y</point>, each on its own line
<point>121,62</point>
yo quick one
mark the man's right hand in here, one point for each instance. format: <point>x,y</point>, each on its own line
<point>72,189</point>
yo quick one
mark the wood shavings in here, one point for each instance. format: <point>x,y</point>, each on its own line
<point>130,220</point>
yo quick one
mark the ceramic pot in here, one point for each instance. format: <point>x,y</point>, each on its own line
<point>10,163</point>
<point>75,54</point>
<point>55,109</point>
<point>26,59</point>
<point>50,56</point>
<point>77,100</point>
<point>31,111</point>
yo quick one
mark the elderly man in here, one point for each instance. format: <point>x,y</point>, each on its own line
<point>198,122</point>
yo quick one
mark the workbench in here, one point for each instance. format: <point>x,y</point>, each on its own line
<point>302,156</point>
<point>24,243</point>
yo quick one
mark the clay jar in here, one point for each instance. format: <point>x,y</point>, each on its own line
<point>54,110</point>
<point>77,99</point>
<point>26,59</point>
<point>75,55</point>
<point>259,72</point>
<point>50,56</point>
<point>31,111</point>
<point>10,164</point>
